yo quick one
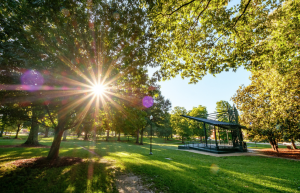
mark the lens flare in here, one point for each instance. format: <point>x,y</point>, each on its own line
<point>214,168</point>
<point>147,101</point>
<point>32,80</point>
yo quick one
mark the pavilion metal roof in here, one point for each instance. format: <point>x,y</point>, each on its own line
<point>213,122</point>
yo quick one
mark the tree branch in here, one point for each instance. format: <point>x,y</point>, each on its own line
<point>201,14</point>
<point>236,20</point>
<point>50,117</point>
<point>180,7</point>
<point>242,13</point>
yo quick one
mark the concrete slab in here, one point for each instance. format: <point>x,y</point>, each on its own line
<point>252,152</point>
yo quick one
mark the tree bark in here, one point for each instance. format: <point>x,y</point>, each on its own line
<point>107,135</point>
<point>46,132</point>
<point>142,132</point>
<point>182,139</point>
<point>137,136</point>
<point>19,125</point>
<point>293,144</point>
<point>65,135</point>
<point>54,151</point>
<point>4,118</point>
<point>86,136</point>
<point>119,136</point>
<point>58,132</point>
<point>273,144</point>
<point>33,137</point>
<point>78,134</point>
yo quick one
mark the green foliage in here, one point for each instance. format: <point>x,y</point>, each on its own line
<point>180,124</point>
<point>194,38</point>
<point>270,104</point>
<point>197,127</point>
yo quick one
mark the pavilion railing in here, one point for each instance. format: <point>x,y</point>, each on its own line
<point>211,144</point>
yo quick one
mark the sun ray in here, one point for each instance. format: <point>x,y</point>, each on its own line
<point>127,98</point>
<point>69,63</point>
<point>69,81</point>
<point>83,113</point>
<point>71,106</point>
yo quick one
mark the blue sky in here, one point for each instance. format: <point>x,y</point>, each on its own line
<point>206,92</point>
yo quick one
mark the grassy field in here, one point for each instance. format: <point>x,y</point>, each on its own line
<point>185,172</point>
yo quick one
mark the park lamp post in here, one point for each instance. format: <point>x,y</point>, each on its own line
<point>151,117</point>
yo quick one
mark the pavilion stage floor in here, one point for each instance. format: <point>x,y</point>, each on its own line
<point>210,148</point>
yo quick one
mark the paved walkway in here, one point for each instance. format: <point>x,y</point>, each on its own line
<point>252,152</point>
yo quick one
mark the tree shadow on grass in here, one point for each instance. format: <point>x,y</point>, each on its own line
<point>194,173</point>
<point>87,176</point>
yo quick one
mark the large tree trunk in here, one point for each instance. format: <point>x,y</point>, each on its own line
<point>86,136</point>
<point>119,136</point>
<point>33,137</point>
<point>137,136</point>
<point>293,144</point>
<point>182,139</point>
<point>65,135</point>
<point>273,144</point>
<point>58,132</point>
<point>107,137</point>
<point>78,134</point>
<point>4,118</point>
<point>54,151</point>
<point>142,132</point>
<point>47,132</point>
<point>18,130</point>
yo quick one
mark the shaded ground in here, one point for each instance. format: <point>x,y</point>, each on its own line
<point>285,153</point>
<point>130,183</point>
<point>24,146</point>
<point>42,162</point>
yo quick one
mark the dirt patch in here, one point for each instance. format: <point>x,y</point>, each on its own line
<point>42,162</point>
<point>24,145</point>
<point>130,183</point>
<point>285,153</point>
<point>126,183</point>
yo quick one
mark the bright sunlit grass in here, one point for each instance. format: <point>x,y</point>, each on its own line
<point>184,172</point>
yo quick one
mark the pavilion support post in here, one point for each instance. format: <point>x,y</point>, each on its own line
<point>205,135</point>
<point>216,140</point>
<point>219,135</point>
<point>227,137</point>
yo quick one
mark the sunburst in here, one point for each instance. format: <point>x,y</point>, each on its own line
<point>98,89</point>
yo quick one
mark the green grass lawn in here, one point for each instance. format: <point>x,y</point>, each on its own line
<point>185,172</point>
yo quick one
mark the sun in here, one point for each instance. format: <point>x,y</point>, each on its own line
<point>98,89</point>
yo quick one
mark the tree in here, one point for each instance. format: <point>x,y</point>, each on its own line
<point>159,111</point>
<point>197,127</point>
<point>75,44</point>
<point>194,38</point>
<point>165,129</point>
<point>180,124</point>
<point>222,109</point>
<point>269,105</point>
